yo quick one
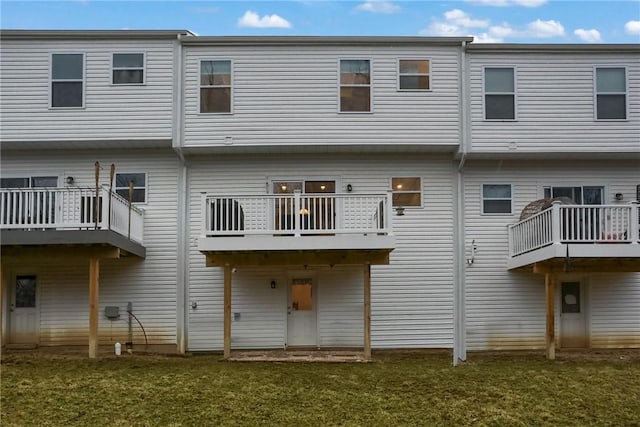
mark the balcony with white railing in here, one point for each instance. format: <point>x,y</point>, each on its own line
<point>296,222</point>
<point>576,231</point>
<point>69,209</point>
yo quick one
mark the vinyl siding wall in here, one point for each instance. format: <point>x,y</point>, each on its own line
<point>412,298</point>
<point>111,112</point>
<point>555,107</point>
<point>149,284</point>
<point>289,96</point>
<point>506,310</point>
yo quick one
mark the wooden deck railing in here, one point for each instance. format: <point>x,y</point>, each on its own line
<point>69,208</point>
<point>575,224</point>
<point>295,214</point>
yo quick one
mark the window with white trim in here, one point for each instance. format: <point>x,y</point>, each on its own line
<point>414,74</point>
<point>215,86</point>
<point>496,199</point>
<point>499,93</point>
<point>67,80</point>
<point>355,85</point>
<point>128,68</point>
<point>581,195</point>
<point>406,191</point>
<point>611,93</point>
<point>139,181</point>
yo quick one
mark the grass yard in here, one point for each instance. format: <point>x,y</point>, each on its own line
<point>402,388</point>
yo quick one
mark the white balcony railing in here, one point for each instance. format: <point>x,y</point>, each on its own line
<point>295,214</point>
<point>70,208</point>
<point>575,224</point>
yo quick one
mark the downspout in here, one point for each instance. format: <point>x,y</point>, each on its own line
<point>459,309</point>
<point>182,221</point>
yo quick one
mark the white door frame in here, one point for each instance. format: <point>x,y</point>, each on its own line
<point>293,274</point>
<point>585,305</point>
<point>11,284</point>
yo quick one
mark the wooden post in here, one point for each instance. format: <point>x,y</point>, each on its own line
<point>3,312</point>
<point>94,278</point>
<point>367,311</point>
<point>96,208</point>
<point>111,175</point>
<point>130,201</point>
<point>549,285</point>
<point>227,311</point>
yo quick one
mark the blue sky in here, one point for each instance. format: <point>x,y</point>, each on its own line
<point>517,21</point>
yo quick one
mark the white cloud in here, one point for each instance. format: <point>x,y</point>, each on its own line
<point>252,19</point>
<point>545,29</point>
<point>632,27</point>
<point>589,36</point>
<point>486,38</point>
<point>505,3</point>
<point>462,19</point>
<point>378,6</point>
<point>501,31</point>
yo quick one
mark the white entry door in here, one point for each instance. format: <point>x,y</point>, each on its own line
<point>301,312</point>
<point>573,329</point>
<point>24,311</point>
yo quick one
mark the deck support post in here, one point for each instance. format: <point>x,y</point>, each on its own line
<point>3,309</point>
<point>227,311</point>
<point>549,285</point>
<point>94,279</point>
<point>367,311</point>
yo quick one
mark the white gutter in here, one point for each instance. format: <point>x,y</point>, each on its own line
<point>182,211</point>
<point>459,288</point>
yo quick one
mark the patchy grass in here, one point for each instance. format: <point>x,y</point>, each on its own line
<point>410,388</point>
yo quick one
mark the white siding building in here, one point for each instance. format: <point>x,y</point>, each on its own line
<point>324,192</point>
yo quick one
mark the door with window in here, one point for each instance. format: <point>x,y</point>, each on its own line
<point>34,205</point>
<point>24,311</point>
<point>316,211</point>
<point>301,311</point>
<point>573,327</point>
<point>580,224</point>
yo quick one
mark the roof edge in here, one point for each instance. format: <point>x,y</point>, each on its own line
<point>320,40</point>
<point>547,48</point>
<point>18,34</point>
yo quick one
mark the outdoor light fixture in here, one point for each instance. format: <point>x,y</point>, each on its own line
<point>273,284</point>
<point>619,196</point>
<point>70,180</point>
<point>283,187</point>
<point>349,188</point>
<point>399,211</point>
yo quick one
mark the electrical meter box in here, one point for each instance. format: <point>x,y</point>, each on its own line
<point>112,312</point>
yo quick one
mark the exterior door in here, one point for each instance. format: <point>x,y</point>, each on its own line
<point>573,330</point>
<point>301,312</point>
<point>24,311</point>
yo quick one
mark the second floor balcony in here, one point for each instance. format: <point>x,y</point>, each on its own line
<point>296,228</point>
<point>71,216</point>
<point>593,234</point>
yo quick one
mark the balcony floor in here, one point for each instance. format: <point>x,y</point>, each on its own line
<point>25,239</point>
<point>593,257</point>
<point>288,250</point>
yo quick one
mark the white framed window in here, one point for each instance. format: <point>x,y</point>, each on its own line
<point>611,93</point>
<point>355,85</point>
<point>497,199</point>
<point>215,86</point>
<point>406,191</point>
<point>414,74</point>
<point>127,68</point>
<point>499,93</point>
<point>67,80</point>
<point>579,194</point>
<point>139,180</point>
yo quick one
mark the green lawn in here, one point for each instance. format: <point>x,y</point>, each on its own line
<point>412,388</point>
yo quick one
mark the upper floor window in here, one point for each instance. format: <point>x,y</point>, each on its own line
<point>611,93</point>
<point>355,85</point>
<point>414,74</point>
<point>67,80</point>
<point>138,182</point>
<point>496,198</point>
<point>499,93</point>
<point>406,191</point>
<point>581,195</point>
<point>128,68</point>
<point>215,86</point>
